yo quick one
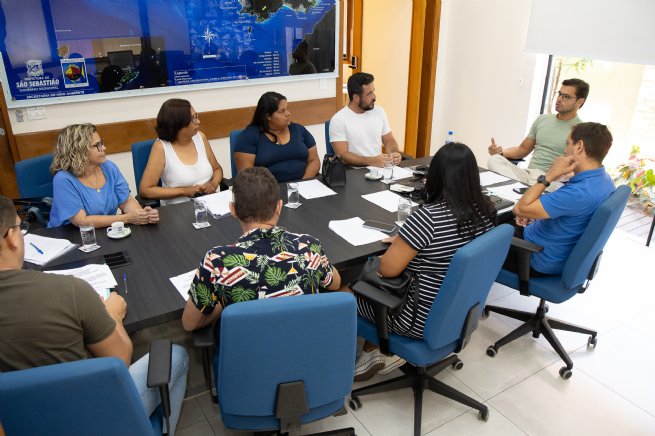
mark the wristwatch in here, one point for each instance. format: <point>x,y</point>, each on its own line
<point>542,179</point>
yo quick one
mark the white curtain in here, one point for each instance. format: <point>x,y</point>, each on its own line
<point>614,30</point>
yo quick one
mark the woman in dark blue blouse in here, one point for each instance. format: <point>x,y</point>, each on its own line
<point>271,140</point>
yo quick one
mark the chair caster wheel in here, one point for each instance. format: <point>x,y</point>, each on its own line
<point>354,403</point>
<point>592,341</point>
<point>484,415</point>
<point>565,373</point>
<point>491,351</point>
<point>458,364</point>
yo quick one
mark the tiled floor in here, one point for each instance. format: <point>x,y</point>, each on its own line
<point>611,392</point>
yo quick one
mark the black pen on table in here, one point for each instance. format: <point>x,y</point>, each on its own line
<point>125,281</point>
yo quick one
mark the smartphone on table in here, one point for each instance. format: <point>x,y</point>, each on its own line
<point>520,190</point>
<point>377,225</point>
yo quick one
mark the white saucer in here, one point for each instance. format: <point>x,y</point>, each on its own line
<point>397,187</point>
<point>127,232</point>
<point>372,177</point>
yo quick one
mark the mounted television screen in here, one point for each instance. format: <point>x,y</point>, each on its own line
<point>56,51</point>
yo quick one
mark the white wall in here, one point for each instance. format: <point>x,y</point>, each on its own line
<point>484,79</point>
<point>386,37</point>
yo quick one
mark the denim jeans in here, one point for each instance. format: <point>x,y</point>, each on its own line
<point>177,386</point>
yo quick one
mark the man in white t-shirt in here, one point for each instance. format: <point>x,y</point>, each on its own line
<point>360,130</point>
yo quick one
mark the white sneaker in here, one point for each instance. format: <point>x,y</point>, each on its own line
<point>368,364</point>
<point>391,362</point>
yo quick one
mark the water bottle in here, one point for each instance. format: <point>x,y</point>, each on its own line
<point>451,137</point>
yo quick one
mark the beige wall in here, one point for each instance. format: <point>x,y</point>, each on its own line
<point>484,80</point>
<point>385,54</point>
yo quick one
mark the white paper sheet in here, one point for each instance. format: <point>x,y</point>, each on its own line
<point>505,191</point>
<point>218,203</point>
<point>51,248</point>
<point>183,282</point>
<point>314,189</point>
<point>489,178</point>
<point>386,200</point>
<point>98,276</point>
<point>352,231</point>
<point>398,172</point>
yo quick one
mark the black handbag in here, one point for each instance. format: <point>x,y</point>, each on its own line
<point>397,286</point>
<point>334,170</point>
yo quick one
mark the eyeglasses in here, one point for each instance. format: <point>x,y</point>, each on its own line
<point>23,225</point>
<point>100,146</point>
<point>566,97</point>
<point>195,118</point>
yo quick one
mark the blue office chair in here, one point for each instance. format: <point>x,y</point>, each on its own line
<point>35,187</point>
<point>233,143</point>
<point>283,362</point>
<point>140,155</point>
<point>452,318</point>
<point>92,396</point>
<point>328,144</point>
<point>579,269</point>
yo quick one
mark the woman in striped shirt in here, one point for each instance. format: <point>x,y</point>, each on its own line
<point>455,212</point>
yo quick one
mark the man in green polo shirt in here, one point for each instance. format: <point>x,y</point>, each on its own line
<point>546,139</point>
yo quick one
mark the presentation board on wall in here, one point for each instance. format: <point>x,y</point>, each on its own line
<point>57,51</point>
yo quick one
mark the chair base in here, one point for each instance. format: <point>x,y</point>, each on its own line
<point>420,379</point>
<point>538,323</point>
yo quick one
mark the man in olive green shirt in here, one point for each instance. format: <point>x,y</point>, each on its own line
<point>546,139</point>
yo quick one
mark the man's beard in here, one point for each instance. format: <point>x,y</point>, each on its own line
<point>367,108</point>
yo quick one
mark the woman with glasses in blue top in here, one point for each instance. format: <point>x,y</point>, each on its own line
<point>88,188</point>
<point>182,157</point>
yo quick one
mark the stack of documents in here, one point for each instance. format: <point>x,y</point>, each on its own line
<point>41,250</point>
<point>98,276</point>
<point>218,203</point>
<point>386,200</point>
<point>314,189</point>
<point>489,178</point>
<point>183,282</point>
<point>352,231</point>
<point>398,172</point>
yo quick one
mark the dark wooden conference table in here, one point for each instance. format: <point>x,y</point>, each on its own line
<point>174,246</point>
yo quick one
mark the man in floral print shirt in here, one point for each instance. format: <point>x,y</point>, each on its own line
<point>267,261</point>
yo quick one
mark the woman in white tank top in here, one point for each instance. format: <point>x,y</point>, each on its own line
<point>182,157</point>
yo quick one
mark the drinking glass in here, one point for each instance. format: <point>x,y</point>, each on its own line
<point>387,172</point>
<point>200,210</point>
<point>404,209</point>
<point>88,234</point>
<point>293,197</point>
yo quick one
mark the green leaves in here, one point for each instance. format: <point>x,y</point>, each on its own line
<point>233,260</point>
<point>239,294</point>
<point>202,293</point>
<point>274,276</point>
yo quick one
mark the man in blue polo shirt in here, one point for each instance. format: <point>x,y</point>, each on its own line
<point>557,220</point>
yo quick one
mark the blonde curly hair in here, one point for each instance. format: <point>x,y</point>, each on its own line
<point>72,149</point>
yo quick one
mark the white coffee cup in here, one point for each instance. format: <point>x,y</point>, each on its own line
<point>374,172</point>
<point>116,228</point>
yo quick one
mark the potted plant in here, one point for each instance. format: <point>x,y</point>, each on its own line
<point>637,172</point>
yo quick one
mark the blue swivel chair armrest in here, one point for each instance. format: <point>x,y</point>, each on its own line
<point>144,202</point>
<point>159,373</point>
<point>204,339</point>
<point>523,250</point>
<point>382,302</point>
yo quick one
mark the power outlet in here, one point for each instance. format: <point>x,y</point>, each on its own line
<point>36,113</point>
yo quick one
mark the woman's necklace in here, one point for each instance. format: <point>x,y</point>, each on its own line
<point>97,185</point>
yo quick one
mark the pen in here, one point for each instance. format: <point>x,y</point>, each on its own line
<point>36,248</point>
<point>125,281</point>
